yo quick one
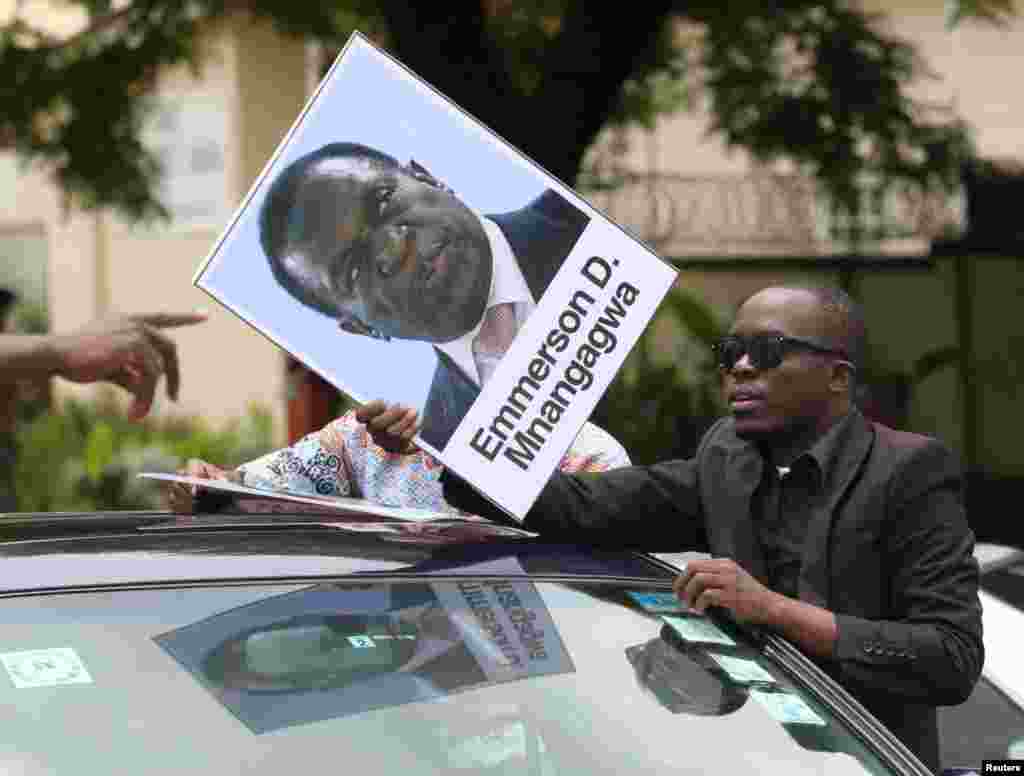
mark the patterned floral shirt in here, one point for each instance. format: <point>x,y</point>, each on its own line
<point>342,460</point>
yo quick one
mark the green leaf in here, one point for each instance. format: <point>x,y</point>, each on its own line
<point>99,450</point>
<point>994,12</point>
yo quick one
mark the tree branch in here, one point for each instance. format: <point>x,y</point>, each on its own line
<point>96,25</point>
<point>585,68</point>
<point>447,45</point>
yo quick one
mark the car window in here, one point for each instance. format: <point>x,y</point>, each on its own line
<point>1007,583</point>
<point>412,677</point>
<point>987,726</point>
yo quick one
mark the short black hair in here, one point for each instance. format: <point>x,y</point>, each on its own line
<point>282,197</point>
<point>846,313</point>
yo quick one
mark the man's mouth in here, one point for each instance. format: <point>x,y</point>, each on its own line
<point>436,263</point>
<point>743,400</point>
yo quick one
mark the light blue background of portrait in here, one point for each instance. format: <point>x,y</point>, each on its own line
<point>374,101</point>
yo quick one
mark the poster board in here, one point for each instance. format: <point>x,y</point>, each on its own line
<point>386,231</point>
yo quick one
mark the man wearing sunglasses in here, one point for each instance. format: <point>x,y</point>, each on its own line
<point>845,536</point>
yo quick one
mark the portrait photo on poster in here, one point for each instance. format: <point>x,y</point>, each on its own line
<point>399,248</point>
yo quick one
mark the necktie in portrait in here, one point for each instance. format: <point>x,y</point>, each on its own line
<point>496,334</point>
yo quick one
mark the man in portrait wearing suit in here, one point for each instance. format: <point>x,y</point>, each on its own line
<point>317,650</point>
<point>845,536</point>
<point>338,649</point>
<point>389,251</point>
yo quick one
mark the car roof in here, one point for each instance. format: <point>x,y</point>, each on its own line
<point>92,552</point>
<point>1002,620</point>
<point>992,557</point>
<point>55,552</point>
<point>1001,624</point>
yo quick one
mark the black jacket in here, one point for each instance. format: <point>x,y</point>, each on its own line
<point>888,550</point>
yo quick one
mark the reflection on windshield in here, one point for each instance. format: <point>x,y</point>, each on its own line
<point>701,668</point>
<point>684,682</point>
<point>336,650</point>
<point>270,680</point>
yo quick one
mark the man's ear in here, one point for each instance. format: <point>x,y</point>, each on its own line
<point>842,377</point>
<point>420,173</point>
<point>353,325</point>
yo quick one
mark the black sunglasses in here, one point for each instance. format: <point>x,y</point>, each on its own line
<point>766,351</point>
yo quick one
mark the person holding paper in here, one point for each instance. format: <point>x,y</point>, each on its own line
<point>847,537</point>
<point>342,460</point>
<point>388,251</point>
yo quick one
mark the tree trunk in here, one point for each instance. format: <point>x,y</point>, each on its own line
<point>584,67</point>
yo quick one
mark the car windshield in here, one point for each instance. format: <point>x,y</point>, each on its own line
<point>435,675</point>
<point>990,724</point>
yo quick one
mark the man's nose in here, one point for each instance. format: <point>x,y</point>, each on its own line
<point>743,364</point>
<point>394,247</point>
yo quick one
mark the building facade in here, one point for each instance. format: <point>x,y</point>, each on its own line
<point>728,224</point>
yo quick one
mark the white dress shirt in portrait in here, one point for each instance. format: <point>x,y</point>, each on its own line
<point>507,286</point>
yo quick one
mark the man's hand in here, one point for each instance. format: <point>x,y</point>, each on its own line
<point>722,582</point>
<point>181,498</point>
<point>390,427</point>
<point>130,351</point>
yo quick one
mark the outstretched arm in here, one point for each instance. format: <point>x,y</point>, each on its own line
<point>649,507</point>
<point>653,508</point>
<point>130,351</point>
